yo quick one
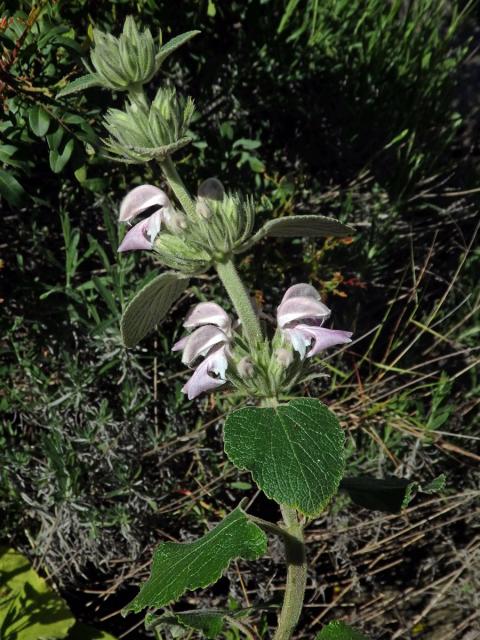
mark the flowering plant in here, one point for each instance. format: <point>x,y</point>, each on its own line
<point>293,448</point>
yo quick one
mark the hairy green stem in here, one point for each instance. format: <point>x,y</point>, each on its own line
<point>177,184</point>
<point>296,575</point>
<point>240,299</point>
<point>137,95</point>
<point>293,531</point>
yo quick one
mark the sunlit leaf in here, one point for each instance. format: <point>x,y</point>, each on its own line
<point>29,608</point>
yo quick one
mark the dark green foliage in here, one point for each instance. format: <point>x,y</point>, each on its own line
<point>386,494</point>
<point>179,567</point>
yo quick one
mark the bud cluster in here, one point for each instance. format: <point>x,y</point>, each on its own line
<point>119,63</point>
<point>218,226</point>
<point>269,370</point>
<point>143,132</point>
<point>131,60</point>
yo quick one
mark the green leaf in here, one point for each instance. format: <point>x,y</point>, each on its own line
<point>339,631</point>
<point>304,226</point>
<point>39,120</point>
<point>80,84</point>
<point>209,622</point>
<point>435,486</point>
<point>390,495</point>
<point>247,143</point>
<point>294,451</point>
<point>11,189</point>
<point>150,305</point>
<point>179,567</point>
<point>29,608</point>
<point>387,494</point>
<point>172,45</point>
<point>256,164</point>
<point>54,139</point>
<point>211,9</point>
<point>59,160</point>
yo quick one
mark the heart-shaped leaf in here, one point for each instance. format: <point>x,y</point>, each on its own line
<point>294,451</point>
<point>79,84</point>
<point>339,631</point>
<point>304,226</point>
<point>179,567</point>
<point>150,305</point>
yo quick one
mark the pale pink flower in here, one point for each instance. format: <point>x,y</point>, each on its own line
<point>210,339</point>
<point>142,235</point>
<point>201,379</point>
<point>300,317</point>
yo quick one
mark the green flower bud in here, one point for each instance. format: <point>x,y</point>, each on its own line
<point>245,367</point>
<point>126,61</point>
<point>176,222</point>
<point>221,222</point>
<point>142,133</point>
<point>284,357</point>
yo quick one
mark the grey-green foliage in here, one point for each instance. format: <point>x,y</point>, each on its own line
<point>150,305</point>
<point>307,226</point>
<point>126,60</point>
<point>224,223</point>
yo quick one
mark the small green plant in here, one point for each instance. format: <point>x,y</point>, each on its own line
<point>293,447</point>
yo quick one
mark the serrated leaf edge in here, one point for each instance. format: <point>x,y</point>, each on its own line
<point>135,609</point>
